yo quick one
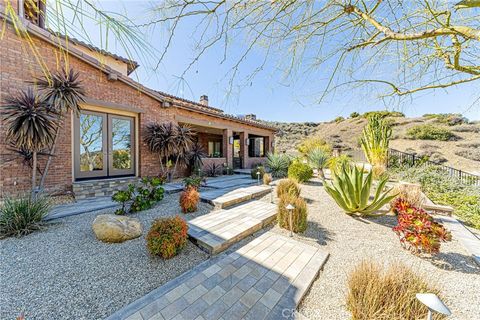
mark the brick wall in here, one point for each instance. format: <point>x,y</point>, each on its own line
<point>19,65</point>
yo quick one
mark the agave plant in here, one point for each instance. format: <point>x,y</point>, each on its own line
<point>351,191</point>
<point>318,158</point>
<point>30,126</point>
<point>277,164</point>
<point>61,94</point>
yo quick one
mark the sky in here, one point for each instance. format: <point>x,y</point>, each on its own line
<point>268,94</point>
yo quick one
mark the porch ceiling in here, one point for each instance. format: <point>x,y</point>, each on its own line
<point>202,129</point>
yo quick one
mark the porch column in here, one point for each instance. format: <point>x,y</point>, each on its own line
<point>267,145</point>
<point>244,149</point>
<point>227,147</point>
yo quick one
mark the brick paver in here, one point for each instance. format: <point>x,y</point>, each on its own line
<point>257,281</point>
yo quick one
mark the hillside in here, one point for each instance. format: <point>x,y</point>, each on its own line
<point>462,151</point>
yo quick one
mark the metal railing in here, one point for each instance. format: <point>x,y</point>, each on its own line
<point>400,158</point>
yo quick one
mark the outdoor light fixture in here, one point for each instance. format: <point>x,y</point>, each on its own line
<point>433,303</point>
<point>290,208</point>
<point>258,177</point>
<point>230,140</point>
<point>247,141</point>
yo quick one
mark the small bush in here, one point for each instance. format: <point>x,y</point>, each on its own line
<point>467,128</point>
<point>429,132</point>
<point>472,154</point>
<point>379,293</point>
<point>354,115</point>
<point>300,171</point>
<point>383,114</point>
<point>167,236</point>
<point>451,119</point>
<point>19,217</point>
<point>338,119</point>
<point>277,164</point>
<point>309,144</point>
<point>417,230</point>
<point>299,214</point>
<point>189,199</point>
<point>255,170</point>
<point>267,179</point>
<point>408,192</point>
<point>289,186</point>
<point>141,197</point>
<point>213,169</point>
<point>193,181</point>
<point>335,164</point>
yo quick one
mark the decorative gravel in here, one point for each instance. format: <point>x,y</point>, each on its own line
<point>63,272</point>
<point>349,240</point>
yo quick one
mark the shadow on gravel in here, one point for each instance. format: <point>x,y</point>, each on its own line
<point>318,233</point>
<point>454,261</point>
<point>386,220</point>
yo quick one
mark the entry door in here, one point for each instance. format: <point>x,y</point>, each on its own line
<point>104,145</point>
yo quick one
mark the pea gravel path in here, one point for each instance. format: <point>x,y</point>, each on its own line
<point>349,240</point>
<point>63,272</point>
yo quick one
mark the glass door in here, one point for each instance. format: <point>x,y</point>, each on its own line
<point>121,145</point>
<point>104,145</point>
<point>90,145</point>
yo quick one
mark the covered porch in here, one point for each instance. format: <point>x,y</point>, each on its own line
<point>235,147</point>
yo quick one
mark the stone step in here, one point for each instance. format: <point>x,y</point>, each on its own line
<point>221,199</point>
<point>100,188</point>
<point>218,230</point>
<point>265,279</point>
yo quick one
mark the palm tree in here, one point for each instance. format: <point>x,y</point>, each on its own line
<point>62,93</point>
<point>30,125</point>
<point>318,158</point>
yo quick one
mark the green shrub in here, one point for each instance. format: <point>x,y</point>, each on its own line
<point>22,216</point>
<point>376,292</point>
<point>141,197</point>
<point>338,119</point>
<point>445,190</point>
<point>167,236</point>
<point>383,114</point>
<point>354,115</point>
<point>335,164</point>
<point>277,164</point>
<point>288,186</point>
<point>299,213</point>
<point>429,132</point>
<point>192,181</point>
<point>309,144</point>
<point>351,191</point>
<point>300,171</point>
<point>255,170</point>
<point>451,119</point>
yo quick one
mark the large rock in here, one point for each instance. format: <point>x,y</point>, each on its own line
<point>115,228</point>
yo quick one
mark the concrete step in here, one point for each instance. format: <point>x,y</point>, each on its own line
<point>218,230</point>
<point>265,279</point>
<point>100,188</point>
<point>224,198</point>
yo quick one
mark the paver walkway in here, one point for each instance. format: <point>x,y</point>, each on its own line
<point>219,229</point>
<point>265,279</point>
<point>222,198</point>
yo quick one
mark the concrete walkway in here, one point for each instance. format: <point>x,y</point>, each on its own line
<point>265,279</point>
<point>223,198</point>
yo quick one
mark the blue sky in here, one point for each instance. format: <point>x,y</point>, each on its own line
<point>268,95</point>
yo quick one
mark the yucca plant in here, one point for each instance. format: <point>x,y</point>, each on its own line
<point>317,159</point>
<point>62,93</point>
<point>277,164</point>
<point>351,191</point>
<point>30,126</point>
<point>375,139</point>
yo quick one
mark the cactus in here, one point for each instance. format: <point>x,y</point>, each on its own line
<point>351,191</point>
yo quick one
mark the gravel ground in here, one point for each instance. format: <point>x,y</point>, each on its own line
<point>349,240</point>
<point>63,272</point>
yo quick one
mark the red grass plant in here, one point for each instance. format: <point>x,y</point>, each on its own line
<point>189,200</point>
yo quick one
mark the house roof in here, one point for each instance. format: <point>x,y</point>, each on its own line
<point>131,64</point>
<point>52,38</point>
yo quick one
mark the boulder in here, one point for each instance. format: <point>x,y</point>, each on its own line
<point>115,228</point>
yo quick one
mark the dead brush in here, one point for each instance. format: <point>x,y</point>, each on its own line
<point>378,293</point>
<point>411,193</point>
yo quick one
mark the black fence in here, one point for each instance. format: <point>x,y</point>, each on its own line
<point>399,158</point>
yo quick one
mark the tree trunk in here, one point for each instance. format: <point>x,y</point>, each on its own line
<point>49,160</point>
<point>321,173</point>
<point>34,175</point>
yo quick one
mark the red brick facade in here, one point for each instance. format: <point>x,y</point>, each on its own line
<point>18,65</point>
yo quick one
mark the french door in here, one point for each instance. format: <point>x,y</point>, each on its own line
<point>104,145</point>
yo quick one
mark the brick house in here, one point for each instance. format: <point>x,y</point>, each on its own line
<point>117,110</point>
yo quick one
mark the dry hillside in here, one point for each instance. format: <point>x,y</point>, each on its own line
<point>462,151</point>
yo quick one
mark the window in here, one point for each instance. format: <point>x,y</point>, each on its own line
<point>214,149</point>
<point>256,147</point>
<point>34,11</point>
